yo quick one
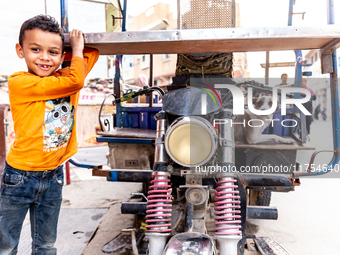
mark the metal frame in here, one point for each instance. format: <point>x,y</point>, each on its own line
<point>64,15</point>
<point>335,98</point>
<point>326,38</point>
<point>108,139</point>
<point>117,66</point>
<point>216,40</point>
<point>329,64</point>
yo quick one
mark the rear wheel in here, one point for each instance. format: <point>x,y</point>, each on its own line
<point>274,161</point>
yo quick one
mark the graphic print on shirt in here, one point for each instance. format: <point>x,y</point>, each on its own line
<point>59,121</point>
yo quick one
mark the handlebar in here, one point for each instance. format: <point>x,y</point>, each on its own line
<point>133,94</point>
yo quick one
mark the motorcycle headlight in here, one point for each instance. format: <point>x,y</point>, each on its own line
<point>191,141</point>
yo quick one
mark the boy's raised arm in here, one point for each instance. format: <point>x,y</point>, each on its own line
<point>77,43</point>
<point>90,55</point>
<point>64,82</point>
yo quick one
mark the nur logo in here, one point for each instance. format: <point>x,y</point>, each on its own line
<point>238,99</point>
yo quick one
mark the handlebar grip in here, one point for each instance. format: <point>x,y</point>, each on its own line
<point>126,97</point>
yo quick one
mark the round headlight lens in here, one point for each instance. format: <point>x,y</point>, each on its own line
<point>190,141</point>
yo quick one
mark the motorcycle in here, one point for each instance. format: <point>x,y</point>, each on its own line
<point>196,192</point>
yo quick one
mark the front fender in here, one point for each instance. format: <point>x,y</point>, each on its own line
<point>190,243</point>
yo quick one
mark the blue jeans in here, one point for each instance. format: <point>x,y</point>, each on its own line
<point>40,192</point>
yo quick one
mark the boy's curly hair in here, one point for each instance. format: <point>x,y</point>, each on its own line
<point>43,22</point>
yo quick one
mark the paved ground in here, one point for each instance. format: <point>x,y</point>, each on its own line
<point>86,191</point>
<point>308,217</point>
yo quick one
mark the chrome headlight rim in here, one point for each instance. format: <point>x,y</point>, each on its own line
<point>202,122</point>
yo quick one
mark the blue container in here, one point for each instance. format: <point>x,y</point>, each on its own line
<point>287,130</point>
<point>267,130</point>
<point>277,127</point>
<point>139,117</point>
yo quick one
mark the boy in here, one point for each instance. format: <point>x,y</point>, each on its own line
<point>43,104</point>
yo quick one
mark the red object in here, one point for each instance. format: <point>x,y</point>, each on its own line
<point>68,175</point>
<point>226,205</point>
<point>159,205</point>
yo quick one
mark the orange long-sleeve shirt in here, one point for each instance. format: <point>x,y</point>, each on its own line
<point>44,114</point>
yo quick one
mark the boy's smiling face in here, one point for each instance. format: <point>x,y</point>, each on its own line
<point>42,51</point>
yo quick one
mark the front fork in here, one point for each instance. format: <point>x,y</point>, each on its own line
<point>159,203</point>
<point>227,199</point>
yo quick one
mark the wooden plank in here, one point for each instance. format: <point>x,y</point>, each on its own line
<point>130,133</point>
<point>203,46</point>
<point>212,40</point>
<point>279,64</point>
<point>331,46</point>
